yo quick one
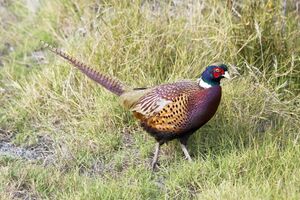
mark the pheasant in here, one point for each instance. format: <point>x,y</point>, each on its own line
<point>168,111</point>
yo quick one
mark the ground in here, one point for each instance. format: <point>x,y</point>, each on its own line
<point>62,136</point>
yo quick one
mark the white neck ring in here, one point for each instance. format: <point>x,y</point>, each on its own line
<point>203,84</point>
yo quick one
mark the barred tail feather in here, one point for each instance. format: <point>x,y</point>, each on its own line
<point>115,86</point>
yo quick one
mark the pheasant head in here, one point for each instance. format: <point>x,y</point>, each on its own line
<point>213,74</point>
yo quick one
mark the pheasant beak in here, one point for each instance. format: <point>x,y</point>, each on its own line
<point>226,75</point>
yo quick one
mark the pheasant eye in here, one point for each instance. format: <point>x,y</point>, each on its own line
<point>217,70</point>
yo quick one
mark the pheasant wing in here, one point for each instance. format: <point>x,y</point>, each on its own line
<point>150,104</point>
<point>165,108</point>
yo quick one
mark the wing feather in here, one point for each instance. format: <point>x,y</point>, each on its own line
<point>150,105</point>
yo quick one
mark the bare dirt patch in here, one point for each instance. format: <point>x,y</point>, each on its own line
<point>43,150</point>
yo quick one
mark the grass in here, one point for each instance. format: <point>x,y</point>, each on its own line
<point>89,147</point>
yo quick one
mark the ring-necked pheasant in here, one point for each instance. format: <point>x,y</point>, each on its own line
<point>169,111</point>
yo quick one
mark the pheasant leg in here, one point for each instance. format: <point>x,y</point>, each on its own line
<point>155,158</point>
<point>185,151</point>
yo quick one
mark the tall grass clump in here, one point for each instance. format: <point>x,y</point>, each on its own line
<point>76,142</point>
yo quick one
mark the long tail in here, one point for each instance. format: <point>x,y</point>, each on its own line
<point>115,86</point>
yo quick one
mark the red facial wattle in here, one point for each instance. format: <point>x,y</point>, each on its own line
<point>217,72</point>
